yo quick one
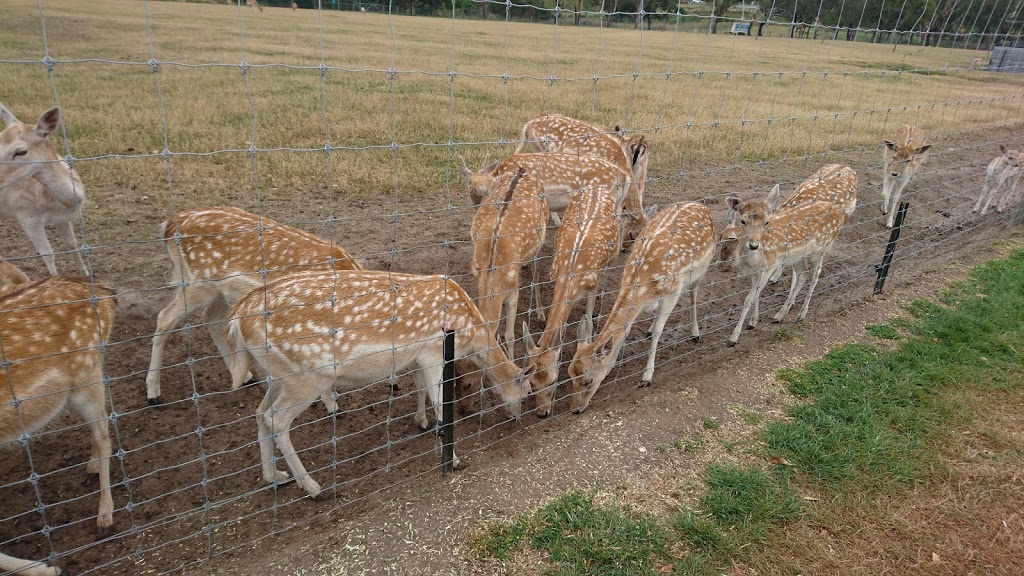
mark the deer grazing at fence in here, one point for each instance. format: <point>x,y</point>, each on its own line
<point>905,151</point>
<point>584,246</point>
<point>51,334</point>
<point>220,254</point>
<point>557,133</point>
<point>508,230</point>
<point>770,240</point>
<point>312,331</point>
<point>560,176</point>
<point>37,188</point>
<point>1000,177</point>
<point>671,255</point>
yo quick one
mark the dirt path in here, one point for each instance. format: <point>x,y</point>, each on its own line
<point>421,529</point>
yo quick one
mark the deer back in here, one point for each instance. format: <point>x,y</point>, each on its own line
<point>557,133</point>
<point>50,333</point>
<point>509,228</point>
<point>795,234</point>
<point>834,183</point>
<point>232,244</point>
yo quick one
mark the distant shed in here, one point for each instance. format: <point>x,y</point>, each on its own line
<point>1006,59</point>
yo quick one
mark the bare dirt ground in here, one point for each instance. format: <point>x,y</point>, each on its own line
<point>188,470</point>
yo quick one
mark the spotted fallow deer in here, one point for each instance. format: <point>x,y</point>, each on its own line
<point>771,240</point>
<point>557,133</point>
<point>51,335</point>
<point>11,277</point>
<point>1000,177</point>
<point>584,246</point>
<point>560,176</point>
<point>905,151</point>
<point>833,183</point>
<point>312,331</point>
<point>37,187</point>
<point>671,255</point>
<point>508,230</point>
<point>217,256</point>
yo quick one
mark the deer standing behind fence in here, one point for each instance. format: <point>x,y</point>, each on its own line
<point>37,187</point>
<point>671,255</point>
<point>557,133</point>
<point>220,254</point>
<point>51,335</point>
<point>312,331</point>
<point>508,230</point>
<point>254,4</point>
<point>905,151</point>
<point>1000,180</point>
<point>771,240</point>
<point>585,244</point>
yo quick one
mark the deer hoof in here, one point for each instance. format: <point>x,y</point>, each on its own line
<point>154,401</point>
<point>695,338</point>
<point>460,464</point>
<point>252,380</point>
<point>644,384</point>
<point>103,534</point>
<point>731,343</point>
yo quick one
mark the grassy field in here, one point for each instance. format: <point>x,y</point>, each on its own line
<point>889,463</point>
<point>708,101</point>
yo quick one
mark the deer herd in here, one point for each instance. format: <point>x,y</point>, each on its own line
<point>314,320</point>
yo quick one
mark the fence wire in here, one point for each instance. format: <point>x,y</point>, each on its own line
<point>274,196</point>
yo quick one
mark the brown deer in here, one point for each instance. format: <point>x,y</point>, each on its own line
<point>220,254</point>
<point>508,230</point>
<point>671,255</point>
<point>561,176</point>
<point>771,240</point>
<point>312,331</point>
<point>1000,177</point>
<point>905,151</point>
<point>52,332</point>
<point>584,246</point>
<point>557,133</point>
<point>37,188</point>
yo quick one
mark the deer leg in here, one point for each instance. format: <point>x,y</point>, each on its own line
<point>586,324</point>
<point>992,191</point>
<point>981,198</point>
<point>293,397</point>
<point>756,284</point>
<point>665,307</point>
<point>555,219</point>
<point>431,376</point>
<point>799,279</point>
<point>10,564</point>
<point>421,400</point>
<point>90,403</point>
<point>37,235</point>
<point>695,325</point>
<point>67,234</point>
<point>538,307</point>
<point>810,289</point>
<point>511,309</point>
<point>1008,196</point>
<point>198,297</point>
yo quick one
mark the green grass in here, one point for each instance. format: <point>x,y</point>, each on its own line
<point>873,422</point>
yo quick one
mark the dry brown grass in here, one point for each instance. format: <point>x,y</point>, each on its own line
<point>702,117</point>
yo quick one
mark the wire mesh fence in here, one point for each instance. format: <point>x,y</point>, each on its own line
<point>289,208</point>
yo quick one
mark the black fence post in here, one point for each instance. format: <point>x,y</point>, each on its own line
<point>890,248</point>
<point>447,405</point>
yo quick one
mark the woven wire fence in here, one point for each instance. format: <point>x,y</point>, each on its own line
<point>335,139</point>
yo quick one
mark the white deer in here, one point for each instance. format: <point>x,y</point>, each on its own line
<point>905,151</point>
<point>51,332</point>
<point>672,254</point>
<point>1001,177</point>
<point>584,246</point>
<point>218,255</point>
<point>557,133</point>
<point>771,240</point>
<point>37,188</point>
<point>312,331</point>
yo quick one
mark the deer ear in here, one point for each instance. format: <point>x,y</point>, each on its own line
<point>531,347</point>
<point>492,168</point>
<point>48,122</point>
<point>773,198</point>
<point>585,332</point>
<point>890,145</point>
<point>733,203</point>
<point>605,348</point>
<point>7,116</point>
<point>650,211</point>
<point>1002,149</point>
<point>467,174</point>
<point>922,149</point>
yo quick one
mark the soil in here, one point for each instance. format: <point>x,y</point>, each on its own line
<point>188,487</point>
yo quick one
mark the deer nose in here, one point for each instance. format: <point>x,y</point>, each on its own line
<point>895,173</point>
<point>753,245</point>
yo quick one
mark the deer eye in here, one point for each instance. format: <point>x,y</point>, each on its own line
<point>743,222</point>
<point>20,153</point>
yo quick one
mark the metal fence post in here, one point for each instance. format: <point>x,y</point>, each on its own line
<point>447,405</point>
<point>890,248</point>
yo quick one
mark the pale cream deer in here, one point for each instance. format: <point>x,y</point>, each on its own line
<point>557,133</point>
<point>217,255</point>
<point>905,151</point>
<point>51,334</point>
<point>584,246</point>
<point>254,4</point>
<point>560,176</point>
<point>508,230</point>
<point>671,255</point>
<point>10,564</point>
<point>771,240</point>
<point>312,331</point>
<point>1000,177</point>
<point>37,187</point>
